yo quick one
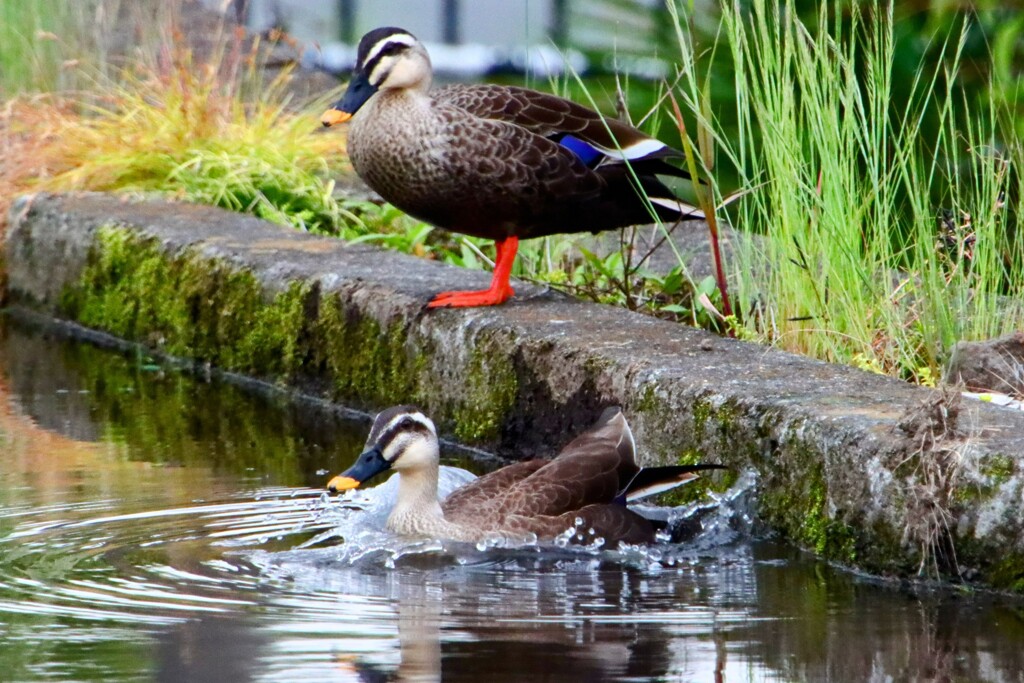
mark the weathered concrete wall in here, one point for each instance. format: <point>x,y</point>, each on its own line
<point>859,468</point>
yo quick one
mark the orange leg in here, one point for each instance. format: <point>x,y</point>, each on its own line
<point>500,290</point>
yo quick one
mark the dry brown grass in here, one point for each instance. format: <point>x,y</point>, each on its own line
<point>30,141</point>
<point>927,467</point>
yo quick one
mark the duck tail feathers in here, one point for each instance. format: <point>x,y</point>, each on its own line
<point>650,481</point>
<point>685,211</point>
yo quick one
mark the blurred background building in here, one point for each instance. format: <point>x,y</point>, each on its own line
<point>469,38</point>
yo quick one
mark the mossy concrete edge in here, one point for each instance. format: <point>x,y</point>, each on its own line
<point>839,471</point>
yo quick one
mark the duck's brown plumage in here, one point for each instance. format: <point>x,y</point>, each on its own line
<point>588,482</point>
<point>547,497</point>
<point>493,161</point>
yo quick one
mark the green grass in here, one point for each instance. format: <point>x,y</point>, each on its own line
<point>42,44</point>
<point>30,55</point>
<point>847,193</point>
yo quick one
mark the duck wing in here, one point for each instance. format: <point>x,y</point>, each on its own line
<point>528,496</point>
<point>575,126</point>
<point>612,523</point>
<point>477,499</point>
<point>504,178</point>
<point>592,469</point>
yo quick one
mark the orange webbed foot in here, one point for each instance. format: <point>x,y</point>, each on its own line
<point>500,290</point>
<point>483,297</point>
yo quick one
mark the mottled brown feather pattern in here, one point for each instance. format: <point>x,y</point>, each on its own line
<point>485,493</point>
<point>540,113</point>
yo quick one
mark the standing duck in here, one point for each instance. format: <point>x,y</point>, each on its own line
<point>498,162</point>
<point>587,485</point>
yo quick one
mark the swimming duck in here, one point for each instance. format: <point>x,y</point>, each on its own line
<point>499,162</point>
<point>590,480</point>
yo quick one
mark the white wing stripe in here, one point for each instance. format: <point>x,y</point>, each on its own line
<point>638,150</point>
<point>676,205</point>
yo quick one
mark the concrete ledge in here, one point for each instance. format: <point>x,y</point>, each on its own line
<point>864,470</point>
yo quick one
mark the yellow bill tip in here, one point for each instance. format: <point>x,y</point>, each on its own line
<point>334,116</point>
<point>340,483</point>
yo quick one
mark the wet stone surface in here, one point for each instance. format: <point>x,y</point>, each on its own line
<point>838,471</point>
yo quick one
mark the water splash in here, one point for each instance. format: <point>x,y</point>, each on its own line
<point>357,535</point>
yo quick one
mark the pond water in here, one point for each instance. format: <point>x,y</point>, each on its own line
<point>155,526</point>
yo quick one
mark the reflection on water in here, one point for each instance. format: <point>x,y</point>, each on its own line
<point>154,527</point>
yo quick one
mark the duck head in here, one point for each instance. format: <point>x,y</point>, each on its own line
<point>402,438</point>
<point>388,58</point>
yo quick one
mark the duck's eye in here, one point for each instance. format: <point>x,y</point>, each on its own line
<point>405,422</point>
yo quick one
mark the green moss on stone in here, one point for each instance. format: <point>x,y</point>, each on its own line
<point>648,401</point>
<point>998,468</point>
<point>193,305</point>
<point>187,305</point>
<point>717,422</point>
<point>702,410</point>
<point>1008,573</point>
<point>368,364</point>
<point>490,390</point>
<point>268,335</point>
<point>799,506</point>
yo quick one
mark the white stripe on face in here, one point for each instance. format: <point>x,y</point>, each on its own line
<point>400,38</point>
<point>379,72</point>
<point>418,418</point>
<point>396,439</point>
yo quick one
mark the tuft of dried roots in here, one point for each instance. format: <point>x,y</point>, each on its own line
<point>926,466</point>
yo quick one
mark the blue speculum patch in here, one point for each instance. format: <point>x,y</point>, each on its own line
<point>586,153</point>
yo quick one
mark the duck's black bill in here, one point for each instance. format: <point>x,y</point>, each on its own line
<point>368,465</point>
<point>359,90</point>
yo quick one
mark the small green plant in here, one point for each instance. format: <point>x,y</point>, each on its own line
<point>188,129</point>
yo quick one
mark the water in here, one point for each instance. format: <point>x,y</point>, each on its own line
<point>156,527</point>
